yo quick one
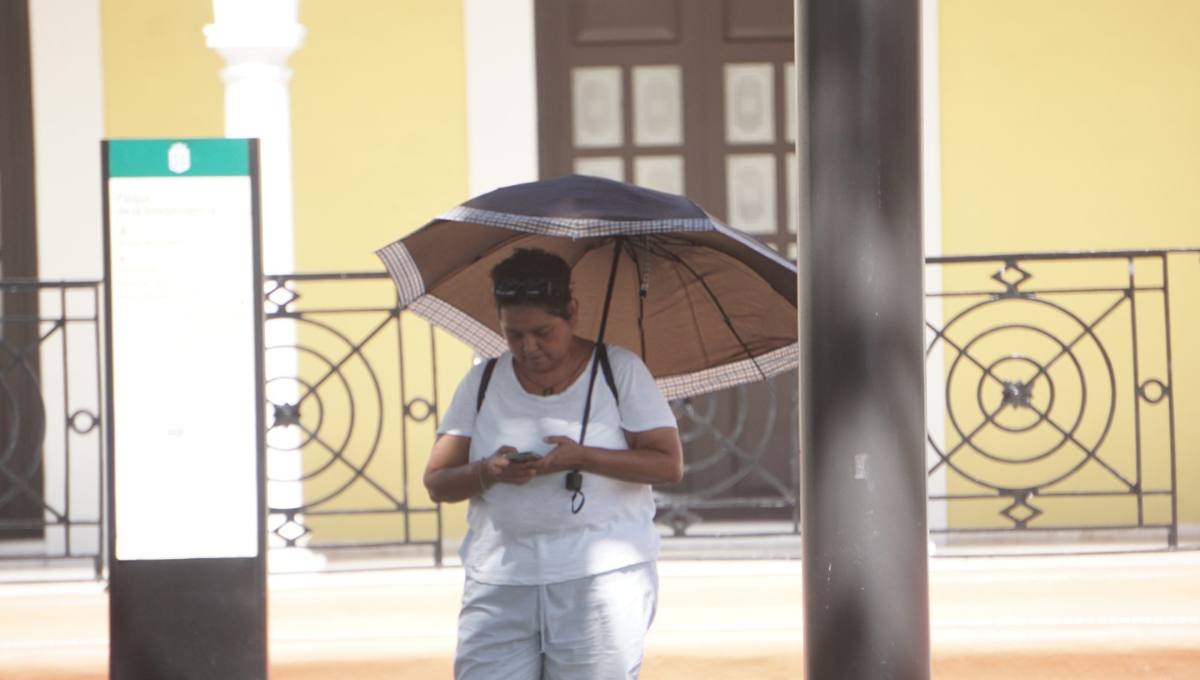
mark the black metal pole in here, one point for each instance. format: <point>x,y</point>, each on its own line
<point>864,533</point>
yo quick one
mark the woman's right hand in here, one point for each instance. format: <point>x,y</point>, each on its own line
<point>496,468</point>
<point>451,476</point>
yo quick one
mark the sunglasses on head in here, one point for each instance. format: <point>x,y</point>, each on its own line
<point>527,288</point>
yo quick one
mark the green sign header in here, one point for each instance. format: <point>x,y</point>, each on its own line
<point>178,157</point>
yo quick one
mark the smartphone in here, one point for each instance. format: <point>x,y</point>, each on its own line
<point>522,456</point>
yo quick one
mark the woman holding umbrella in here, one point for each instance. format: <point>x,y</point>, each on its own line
<point>554,588</point>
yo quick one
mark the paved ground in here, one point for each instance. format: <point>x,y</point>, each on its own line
<point>1095,617</point>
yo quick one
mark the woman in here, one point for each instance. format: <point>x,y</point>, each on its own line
<point>555,588</point>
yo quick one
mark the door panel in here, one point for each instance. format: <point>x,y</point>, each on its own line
<point>617,22</point>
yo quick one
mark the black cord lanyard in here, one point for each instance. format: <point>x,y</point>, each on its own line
<point>575,486</point>
<point>574,477</point>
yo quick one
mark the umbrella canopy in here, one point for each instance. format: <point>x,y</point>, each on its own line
<point>704,305</point>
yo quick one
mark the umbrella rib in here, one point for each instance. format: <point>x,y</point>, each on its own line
<point>724,316</point>
<point>612,277</point>
<point>642,289</point>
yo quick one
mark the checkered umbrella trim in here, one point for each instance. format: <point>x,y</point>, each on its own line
<point>404,271</point>
<point>489,344</point>
<point>576,228</point>
<point>462,326</point>
<point>752,243</point>
<point>748,370</point>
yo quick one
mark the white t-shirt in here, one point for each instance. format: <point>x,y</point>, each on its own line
<point>527,535</point>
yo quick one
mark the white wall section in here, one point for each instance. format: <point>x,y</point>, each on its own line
<point>502,131</point>
<point>68,123</point>
<point>931,207</point>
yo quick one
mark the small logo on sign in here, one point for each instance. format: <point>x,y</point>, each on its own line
<point>179,158</point>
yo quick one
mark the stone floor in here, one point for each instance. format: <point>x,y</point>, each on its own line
<point>1100,617</point>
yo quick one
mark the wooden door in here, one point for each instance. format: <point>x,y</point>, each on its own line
<point>694,97</point>
<point>22,420</point>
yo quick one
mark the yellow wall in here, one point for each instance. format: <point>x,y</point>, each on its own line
<point>379,129</point>
<point>1075,125</point>
<point>379,122</point>
<point>379,147</point>
<point>159,78</point>
<point>1070,124</point>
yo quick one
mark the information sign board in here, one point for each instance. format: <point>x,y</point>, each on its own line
<point>184,321</point>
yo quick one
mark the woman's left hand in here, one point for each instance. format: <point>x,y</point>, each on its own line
<point>653,457</point>
<point>567,454</point>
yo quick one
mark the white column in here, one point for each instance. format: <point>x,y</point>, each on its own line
<point>931,208</point>
<point>256,38</point>
<point>502,141</point>
<point>68,123</point>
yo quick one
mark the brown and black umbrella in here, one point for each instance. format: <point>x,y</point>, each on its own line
<point>705,306</point>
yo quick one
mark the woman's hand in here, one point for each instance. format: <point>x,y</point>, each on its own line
<point>450,477</point>
<point>567,454</point>
<point>498,469</point>
<point>653,457</point>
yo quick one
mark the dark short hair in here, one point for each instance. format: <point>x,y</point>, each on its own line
<point>531,276</point>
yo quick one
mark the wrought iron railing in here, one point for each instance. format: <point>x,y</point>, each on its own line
<point>334,358</point>
<point>741,468</point>
<point>51,438</point>
<point>1051,386</point>
<point>1055,370</point>
<point>350,381</point>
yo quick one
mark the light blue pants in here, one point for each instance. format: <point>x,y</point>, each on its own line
<point>591,628</point>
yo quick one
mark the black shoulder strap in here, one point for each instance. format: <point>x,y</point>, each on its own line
<point>483,383</point>
<point>602,361</point>
<point>602,351</point>
<point>601,355</point>
<point>574,481</point>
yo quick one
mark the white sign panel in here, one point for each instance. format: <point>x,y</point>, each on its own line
<point>183,324</point>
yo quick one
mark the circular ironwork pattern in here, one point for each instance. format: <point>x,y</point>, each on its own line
<point>1043,397</point>
<point>739,456</point>
<point>285,413</point>
<point>328,454</point>
<point>91,419</point>
<point>725,439</point>
<point>696,418</point>
<point>1159,392</point>
<point>1017,398</point>
<point>725,444</point>
<point>426,410</point>
<point>1017,393</point>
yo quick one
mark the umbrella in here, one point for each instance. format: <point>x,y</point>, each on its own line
<point>705,305</point>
